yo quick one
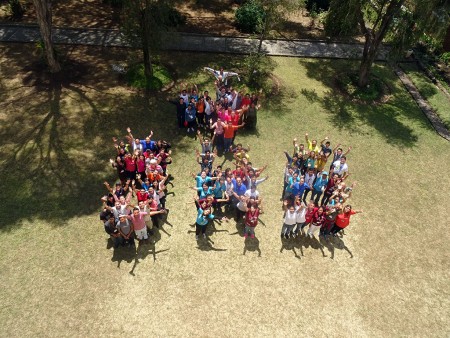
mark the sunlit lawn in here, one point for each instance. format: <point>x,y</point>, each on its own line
<point>387,276</point>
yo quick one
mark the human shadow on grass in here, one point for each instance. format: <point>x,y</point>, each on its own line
<point>144,249</point>
<point>339,244</point>
<point>389,119</point>
<point>251,244</point>
<point>291,244</point>
<point>123,253</point>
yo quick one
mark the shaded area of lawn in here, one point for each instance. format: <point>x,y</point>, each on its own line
<point>435,97</point>
<point>390,118</point>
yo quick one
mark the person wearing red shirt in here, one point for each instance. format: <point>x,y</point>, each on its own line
<point>317,221</point>
<point>130,166</point>
<point>310,211</point>
<point>251,220</point>
<point>343,219</point>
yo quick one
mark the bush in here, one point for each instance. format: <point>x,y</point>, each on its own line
<point>250,17</point>
<point>16,9</point>
<point>445,57</point>
<point>259,67</point>
<point>136,77</point>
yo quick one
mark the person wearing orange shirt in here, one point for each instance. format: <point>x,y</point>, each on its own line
<point>228,134</point>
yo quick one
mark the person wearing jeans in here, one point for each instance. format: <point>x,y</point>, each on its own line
<point>229,130</point>
<point>319,186</point>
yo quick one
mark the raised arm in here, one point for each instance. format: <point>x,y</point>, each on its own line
<point>323,141</point>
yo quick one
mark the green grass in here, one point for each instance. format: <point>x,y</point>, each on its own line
<point>61,279</point>
<point>136,77</point>
<point>437,99</point>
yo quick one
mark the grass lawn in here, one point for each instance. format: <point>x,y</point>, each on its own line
<point>387,276</point>
<point>438,100</point>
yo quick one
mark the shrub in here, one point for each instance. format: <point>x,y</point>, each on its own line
<point>250,17</point>
<point>259,67</point>
<point>445,57</point>
<point>136,77</point>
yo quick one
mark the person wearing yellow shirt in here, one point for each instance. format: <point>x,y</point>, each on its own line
<point>312,145</point>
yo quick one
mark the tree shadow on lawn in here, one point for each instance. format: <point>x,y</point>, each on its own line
<point>54,156</point>
<point>389,119</point>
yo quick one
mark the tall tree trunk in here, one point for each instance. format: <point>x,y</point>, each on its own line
<point>262,35</point>
<point>44,18</point>
<point>146,48</point>
<point>374,37</point>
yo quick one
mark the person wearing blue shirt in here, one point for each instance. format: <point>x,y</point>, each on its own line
<point>239,187</point>
<point>298,188</point>
<point>319,186</point>
<point>203,217</point>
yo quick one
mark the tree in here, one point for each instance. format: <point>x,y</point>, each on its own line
<point>401,22</point>
<point>145,22</point>
<point>275,12</point>
<point>44,19</point>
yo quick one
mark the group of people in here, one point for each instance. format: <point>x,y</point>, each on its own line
<point>221,116</point>
<point>221,192</point>
<point>141,166</point>
<point>318,169</point>
<point>315,192</point>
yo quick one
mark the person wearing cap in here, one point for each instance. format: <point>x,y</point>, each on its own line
<point>126,230</point>
<point>319,186</point>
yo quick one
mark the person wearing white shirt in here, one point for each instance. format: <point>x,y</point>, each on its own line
<point>340,167</point>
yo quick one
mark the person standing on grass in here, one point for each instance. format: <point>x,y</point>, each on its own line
<point>110,229</point>
<point>203,217</point>
<point>343,219</point>
<point>251,220</point>
<point>189,117</point>
<point>289,221</point>
<point>310,176</point>
<point>317,221</point>
<point>340,167</point>
<point>319,186</point>
<point>138,219</point>
<point>310,211</point>
<point>229,130</point>
<point>300,209</point>
<point>219,130</point>
<point>312,145</point>
<point>331,213</point>
<point>126,230</point>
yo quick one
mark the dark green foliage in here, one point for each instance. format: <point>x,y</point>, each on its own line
<point>260,68</point>
<point>341,19</point>
<point>16,9</point>
<point>136,77</point>
<point>250,17</point>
